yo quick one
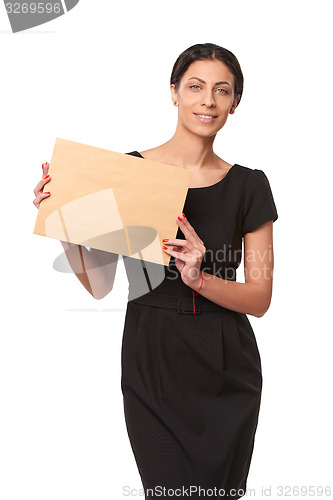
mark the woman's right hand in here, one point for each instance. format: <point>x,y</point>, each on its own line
<point>38,191</point>
<point>94,268</point>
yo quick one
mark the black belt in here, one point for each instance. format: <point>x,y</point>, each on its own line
<point>181,305</point>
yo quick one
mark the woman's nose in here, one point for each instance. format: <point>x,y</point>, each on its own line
<point>208,99</point>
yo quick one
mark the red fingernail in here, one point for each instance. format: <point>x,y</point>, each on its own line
<point>47,192</point>
<point>46,176</point>
<point>179,218</point>
<point>166,239</point>
<point>164,248</point>
<point>184,216</point>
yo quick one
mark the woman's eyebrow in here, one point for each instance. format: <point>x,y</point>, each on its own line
<point>203,81</point>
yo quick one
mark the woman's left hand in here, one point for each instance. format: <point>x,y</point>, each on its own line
<point>189,255</point>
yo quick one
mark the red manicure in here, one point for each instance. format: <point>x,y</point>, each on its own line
<point>164,248</point>
<point>46,176</point>
<point>166,239</point>
<point>179,218</point>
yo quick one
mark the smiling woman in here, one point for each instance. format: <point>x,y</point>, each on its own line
<point>191,369</point>
<point>191,373</point>
<point>200,94</point>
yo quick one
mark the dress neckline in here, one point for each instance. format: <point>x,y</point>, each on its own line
<point>204,187</point>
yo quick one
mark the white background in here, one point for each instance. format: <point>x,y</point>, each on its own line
<point>100,75</point>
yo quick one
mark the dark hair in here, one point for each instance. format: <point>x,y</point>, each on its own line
<point>202,51</point>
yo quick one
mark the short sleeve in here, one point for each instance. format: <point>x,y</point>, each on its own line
<point>259,206</point>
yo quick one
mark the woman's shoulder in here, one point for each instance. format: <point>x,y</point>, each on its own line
<point>241,173</point>
<point>250,174</point>
<point>244,171</point>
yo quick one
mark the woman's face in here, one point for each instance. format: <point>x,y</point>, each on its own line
<point>206,88</point>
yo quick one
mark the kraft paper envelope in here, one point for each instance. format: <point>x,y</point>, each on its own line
<point>112,201</point>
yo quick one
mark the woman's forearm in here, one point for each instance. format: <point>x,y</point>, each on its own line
<point>95,269</point>
<point>247,298</point>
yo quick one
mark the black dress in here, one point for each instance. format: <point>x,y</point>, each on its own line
<point>192,383</point>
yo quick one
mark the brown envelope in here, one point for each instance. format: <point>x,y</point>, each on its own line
<point>112,201</point>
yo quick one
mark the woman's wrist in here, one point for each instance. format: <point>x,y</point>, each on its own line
<point>198,284</point>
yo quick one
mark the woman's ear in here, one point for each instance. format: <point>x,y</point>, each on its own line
<point>234,104</point>
<point>173,93</point>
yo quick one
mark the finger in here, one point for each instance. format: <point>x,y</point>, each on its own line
<point>176,242</point>
<point>40,197</point>
<point>41,184</point>
<point>178,255</point>
<point>191,228</point>
<point>188,230</point>
<point>45,167</point>
<point>46,178</point>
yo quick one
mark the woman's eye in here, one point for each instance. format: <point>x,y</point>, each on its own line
<point>223,91</point>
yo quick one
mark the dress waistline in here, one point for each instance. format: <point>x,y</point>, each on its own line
<point>182,305</point>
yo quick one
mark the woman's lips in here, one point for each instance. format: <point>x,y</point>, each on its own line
<point>205,120</point>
